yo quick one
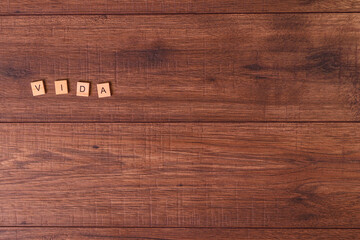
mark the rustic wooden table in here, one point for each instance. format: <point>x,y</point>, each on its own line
<point>229,120</point>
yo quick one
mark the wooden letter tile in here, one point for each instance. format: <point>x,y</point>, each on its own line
<point>103,90</point>
<point>83,89</point>
<point>38,88</point>
<point>61,87</point>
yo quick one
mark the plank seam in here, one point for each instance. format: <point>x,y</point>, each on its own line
<point>127,227</point>
<point>167,14</point>
<point>183,122</point>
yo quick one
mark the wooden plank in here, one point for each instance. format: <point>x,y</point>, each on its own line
<point>180,175</point>
<point>183,68</point>
<point>19,7</point>
<point>175,233</point>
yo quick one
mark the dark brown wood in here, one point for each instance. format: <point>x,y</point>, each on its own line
<point>175,233</point>
<point>180,175</point>
<point>183,68</point>
<point>70,170</point>
<point>19,7</point>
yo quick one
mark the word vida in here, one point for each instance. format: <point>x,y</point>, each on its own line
<point>61,87</point>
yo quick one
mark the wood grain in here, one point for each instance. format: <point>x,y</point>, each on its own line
<point>19,7</point>
<point>175,233</point>
<point>183,68</point>
<point>180,175</point>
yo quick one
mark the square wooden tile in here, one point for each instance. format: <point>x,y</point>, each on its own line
<point>61,87</point>
<point>104,90</point>
<point>38,88</point>
<point>83,89</point>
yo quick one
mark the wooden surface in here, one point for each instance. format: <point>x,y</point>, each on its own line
<point>183,68</point>
<point>180,175</point>
<point>175,233</point>
<point>228,120</point>
<point>20,7</point>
